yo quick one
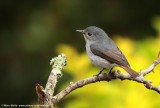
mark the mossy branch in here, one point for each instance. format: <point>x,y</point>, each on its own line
<point>48,100</point>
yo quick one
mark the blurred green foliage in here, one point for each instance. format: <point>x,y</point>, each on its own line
<point>34,31</point>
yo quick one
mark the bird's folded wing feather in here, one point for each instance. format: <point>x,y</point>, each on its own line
<point>112,55</point>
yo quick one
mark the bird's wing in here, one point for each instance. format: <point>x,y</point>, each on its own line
<point>112,55</point>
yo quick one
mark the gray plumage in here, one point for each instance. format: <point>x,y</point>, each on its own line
<point>102,50</point>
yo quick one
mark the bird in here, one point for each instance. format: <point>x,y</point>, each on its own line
<point>103,52</point>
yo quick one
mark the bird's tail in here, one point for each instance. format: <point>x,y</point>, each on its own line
<point>130,71</point>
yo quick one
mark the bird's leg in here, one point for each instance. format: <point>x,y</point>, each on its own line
<point>100,71</point>
<point>110,71</point>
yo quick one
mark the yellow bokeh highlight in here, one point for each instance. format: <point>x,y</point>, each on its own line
<point>116,93</point>
<point>78,64</point>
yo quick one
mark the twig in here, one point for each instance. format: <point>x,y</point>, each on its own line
<point>53,100</point>
<point>153,65</point>
<point>45,96</point>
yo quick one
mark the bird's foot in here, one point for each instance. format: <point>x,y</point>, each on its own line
<point>100,72</point>
<point>110,71</point>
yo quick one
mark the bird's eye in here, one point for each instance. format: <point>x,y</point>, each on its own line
<point>89,34</point>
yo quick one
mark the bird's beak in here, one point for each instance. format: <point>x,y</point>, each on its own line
<point>82,31</point>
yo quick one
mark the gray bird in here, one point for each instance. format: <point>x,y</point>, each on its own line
<point>103,52</point>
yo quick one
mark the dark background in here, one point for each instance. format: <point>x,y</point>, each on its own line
<point>30,31</point>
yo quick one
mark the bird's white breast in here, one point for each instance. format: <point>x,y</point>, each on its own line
<point>98,61</point>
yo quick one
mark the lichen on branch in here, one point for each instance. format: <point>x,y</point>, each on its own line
<point>46,96</point>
